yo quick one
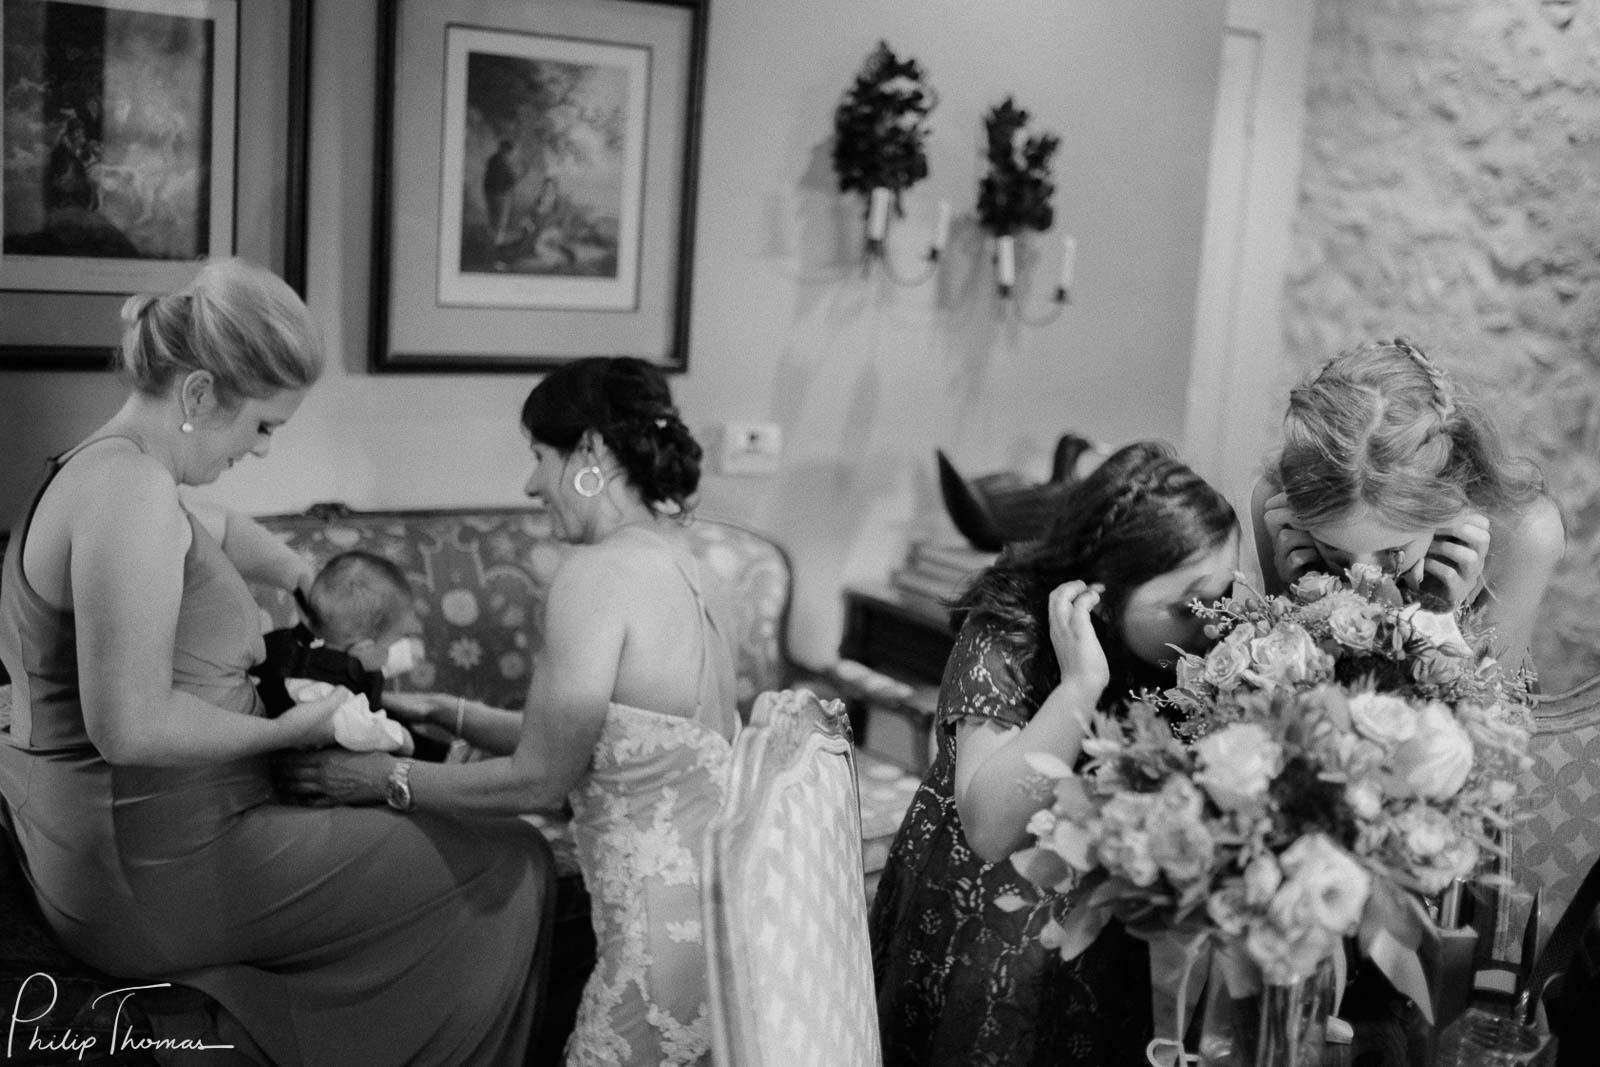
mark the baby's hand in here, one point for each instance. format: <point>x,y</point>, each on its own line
<point>420,708</point>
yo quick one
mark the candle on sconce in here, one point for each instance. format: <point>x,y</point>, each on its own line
<point>1005,261</point>
<point>878,213</point>
<point>941,226</point>
<point>1069,259</point>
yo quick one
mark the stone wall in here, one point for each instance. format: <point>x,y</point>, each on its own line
<point>1451,194</point>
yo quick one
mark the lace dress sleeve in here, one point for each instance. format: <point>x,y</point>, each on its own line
<point>984,679</point>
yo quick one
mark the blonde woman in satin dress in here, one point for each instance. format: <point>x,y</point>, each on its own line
<point>630,712</point>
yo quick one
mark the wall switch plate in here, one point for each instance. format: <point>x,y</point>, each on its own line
<point>751,447</point>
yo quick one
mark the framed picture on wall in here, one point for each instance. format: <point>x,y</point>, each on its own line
<point>535,180</point>
<point>140,138</point>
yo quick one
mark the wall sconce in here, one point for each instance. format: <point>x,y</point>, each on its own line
<point>879,130</point>
<point>1014,196</point>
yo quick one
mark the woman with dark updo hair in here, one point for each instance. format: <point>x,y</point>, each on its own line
<point>630,714</point>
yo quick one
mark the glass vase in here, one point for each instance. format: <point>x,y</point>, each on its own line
<point>1278,1026</point>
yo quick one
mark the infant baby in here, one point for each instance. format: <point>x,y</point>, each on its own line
<point>356,633</point>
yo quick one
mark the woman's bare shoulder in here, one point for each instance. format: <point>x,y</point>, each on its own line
<point>1537,532</point>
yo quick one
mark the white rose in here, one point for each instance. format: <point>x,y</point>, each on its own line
<point>1237,763</point>
<point>1388,720</point>
<point>1323,886</point>
<point>1435,763</point>
<point>1365,799</point>
<point>1312,587</point>
<point>1183,848</point>
<point>1288,656</point>
<point>1355,625</point>
<point>1225,664</point>
<point>1261,879</point>
<point>1439,629</point>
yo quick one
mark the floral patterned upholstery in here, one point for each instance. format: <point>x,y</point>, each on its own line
<point>480,577</point>
<point>785,916</point>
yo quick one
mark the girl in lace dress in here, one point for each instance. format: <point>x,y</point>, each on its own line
<point>630,712</point>
<point>1387,461</point>
<point>1082,619</point>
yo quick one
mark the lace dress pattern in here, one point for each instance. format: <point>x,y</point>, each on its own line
<point>962,979</point>
<point>638,822</point>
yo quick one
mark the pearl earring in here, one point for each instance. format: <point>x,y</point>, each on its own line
<point>187,427</point>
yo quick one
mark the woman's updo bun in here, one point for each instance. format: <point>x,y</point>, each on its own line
<point>627,402</point>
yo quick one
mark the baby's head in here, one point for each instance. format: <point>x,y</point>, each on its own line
<point>360,603</point>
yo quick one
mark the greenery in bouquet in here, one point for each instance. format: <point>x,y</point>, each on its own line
<point>1337,755</point>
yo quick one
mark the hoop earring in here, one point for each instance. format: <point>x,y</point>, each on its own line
<point>591,471</point>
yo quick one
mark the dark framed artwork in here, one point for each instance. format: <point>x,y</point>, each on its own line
<point>535,182</point>
<point>140,138</point>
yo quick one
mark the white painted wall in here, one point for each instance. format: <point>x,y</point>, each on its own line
<point>865,378</point>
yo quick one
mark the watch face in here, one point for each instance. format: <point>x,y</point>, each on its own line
<point>397,790</point>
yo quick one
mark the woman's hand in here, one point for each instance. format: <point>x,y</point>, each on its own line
<point>428,709</point>
<point>311,724</point>
<point>1453,566</point>
<point>333,776</point>
<point>1294,553</point>
<point>1077,646</point>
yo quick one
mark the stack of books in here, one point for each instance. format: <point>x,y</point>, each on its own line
<point>936,572</point>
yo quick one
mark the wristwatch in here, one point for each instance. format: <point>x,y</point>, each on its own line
<point>397,790</point>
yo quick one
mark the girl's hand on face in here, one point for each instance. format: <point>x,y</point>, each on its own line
<point>1453,567</point>
<point>1077,647</point>
<point>1294,553</point>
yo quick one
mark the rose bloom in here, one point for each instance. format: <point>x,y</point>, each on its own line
<point>1365,799</point>
<point>1288,656</point>
<point>1432,666</point>
<point>1183,849</point>
<point>1227,661</point>
<point>1226,907</point>
<point>1388,720</point>
<point>1435,763</point>
<point>1424,832</point>
<point>1261,879</point>
<point>1323,886</point>
<point>1312,587</point>
<point>1128,854</point>
<point>1439,629</point>
<point>1237,763</point>
<point>1355,625</point>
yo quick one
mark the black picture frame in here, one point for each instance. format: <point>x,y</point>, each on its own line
<point>436,306</point>
<point>67,329</point>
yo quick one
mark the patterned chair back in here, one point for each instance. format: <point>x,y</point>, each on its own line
<point>1559,839</point>
<point>785,912</point>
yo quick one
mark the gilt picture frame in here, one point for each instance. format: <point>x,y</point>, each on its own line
<point>535,182</point>
<point>140,138</point>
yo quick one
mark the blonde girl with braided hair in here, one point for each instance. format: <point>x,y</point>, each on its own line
<point>1387,461</point>
<point>1084,618</point>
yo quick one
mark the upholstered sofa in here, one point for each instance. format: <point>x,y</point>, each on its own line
<point>479,576</point>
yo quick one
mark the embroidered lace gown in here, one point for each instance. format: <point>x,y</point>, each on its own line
<point>962,981</point>
<point>639,820</point>
<point>330,936</point>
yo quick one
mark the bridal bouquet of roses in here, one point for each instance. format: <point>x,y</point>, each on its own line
<point>1336,756</point>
